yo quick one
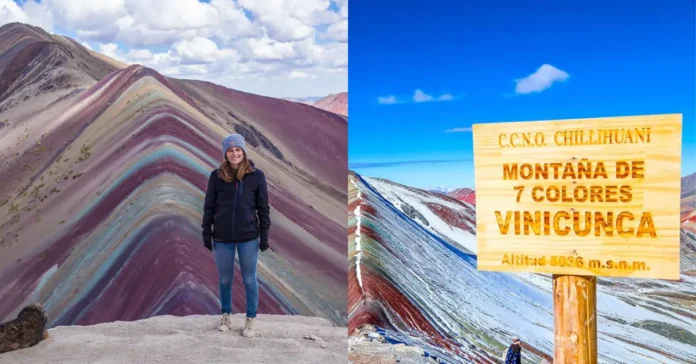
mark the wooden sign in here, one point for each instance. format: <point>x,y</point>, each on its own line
<point>591,197</point>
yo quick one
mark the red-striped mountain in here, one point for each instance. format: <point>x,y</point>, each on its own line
<point>464,195</point>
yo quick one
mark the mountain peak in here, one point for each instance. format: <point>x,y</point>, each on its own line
<point>336,103</point>
<point>464,194</point>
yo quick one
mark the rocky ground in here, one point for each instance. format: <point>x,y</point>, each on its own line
<point>190,339</point>
<point>366,346</point>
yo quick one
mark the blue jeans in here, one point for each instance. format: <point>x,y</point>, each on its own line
<point>224,259</point>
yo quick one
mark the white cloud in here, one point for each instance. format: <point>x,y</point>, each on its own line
<point>233,22</point>
<point>139,54</point>
<point>300,74</point>
<point>337,31</point>
<point>291,20</point>
<point>420,96</point>
<point>278,85</point>
<point>111,50</point>
<point>230,42</point>
<point>175,15</point>
<point>202,50</point>
<point>30,13</point>
<point>267,49</point>
<point>11,12</point>
<point>386,100</point>
<point>540,80</point>
<point>164,63</point>
<point>297,74</point>
<point>343,7</point>
<point>147,22</point>
<point>86,14</point>
<point>38,14</point>
<point>332,55</point>
<point>193,69</point>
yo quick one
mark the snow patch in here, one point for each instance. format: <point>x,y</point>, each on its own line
<point>358,247</point>
<point>395,194</point>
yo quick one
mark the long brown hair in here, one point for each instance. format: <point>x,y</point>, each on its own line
<point>516,347</point>
<point>227,173</point>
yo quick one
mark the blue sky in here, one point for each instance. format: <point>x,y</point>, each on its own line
<point>608,58</point>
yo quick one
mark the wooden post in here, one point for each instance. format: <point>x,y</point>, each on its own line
<point>575,319</point>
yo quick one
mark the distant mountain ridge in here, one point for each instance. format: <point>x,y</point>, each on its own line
<point>335,103</point>
<point>464,194</point>
<point>689,185</point>
<point>310,100</point>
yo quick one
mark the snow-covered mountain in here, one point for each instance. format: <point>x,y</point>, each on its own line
<point>449,218</point>
<point>413,274</point>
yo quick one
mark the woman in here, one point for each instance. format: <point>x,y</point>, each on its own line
<point>514,353</point>
<point>236,218</point>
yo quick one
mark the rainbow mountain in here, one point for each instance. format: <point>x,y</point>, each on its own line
<point>413,275</point>
<point>102,178</point>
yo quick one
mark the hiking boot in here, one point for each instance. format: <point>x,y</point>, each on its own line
<point>248,328</point>
<point>224,324</point>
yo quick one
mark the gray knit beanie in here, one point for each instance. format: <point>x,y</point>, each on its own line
<point>233,140</point>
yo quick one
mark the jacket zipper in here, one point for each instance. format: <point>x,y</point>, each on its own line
<point>234,208</point>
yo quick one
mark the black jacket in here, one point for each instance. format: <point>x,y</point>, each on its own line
<point>237,211</point>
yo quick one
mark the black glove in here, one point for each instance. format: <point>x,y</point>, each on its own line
<point>263,245</point>
<point>208,242</point>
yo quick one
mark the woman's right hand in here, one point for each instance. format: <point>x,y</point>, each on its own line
<point>208,243</point>
<point>263,245</point>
